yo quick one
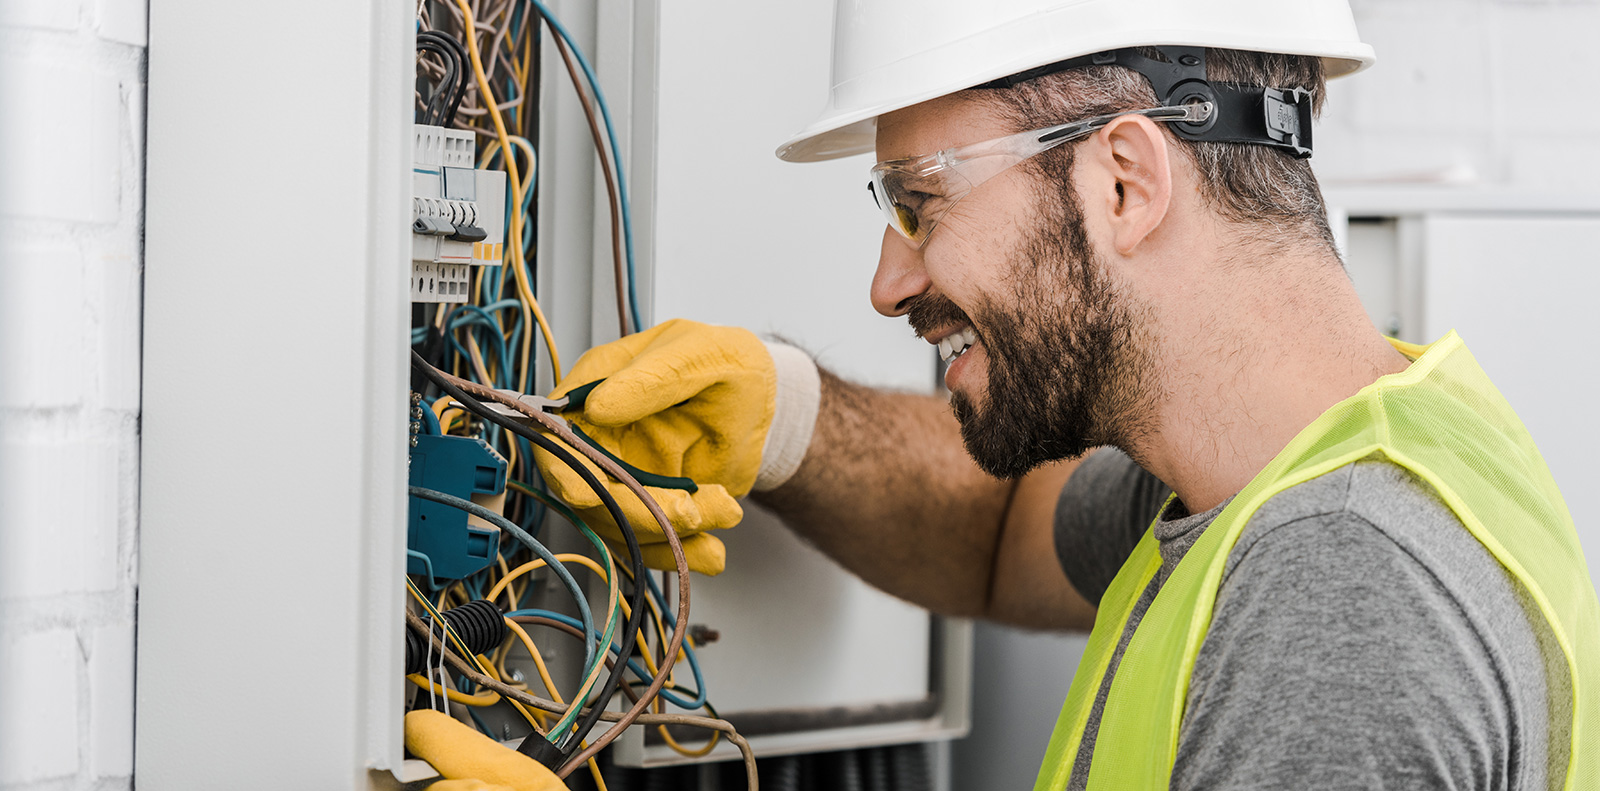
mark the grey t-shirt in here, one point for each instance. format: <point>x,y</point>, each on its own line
<point>1361,638</point>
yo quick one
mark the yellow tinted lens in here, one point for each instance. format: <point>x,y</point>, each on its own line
<point>907,220</point>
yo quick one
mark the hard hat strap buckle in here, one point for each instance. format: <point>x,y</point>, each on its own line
<point>1276,117</point>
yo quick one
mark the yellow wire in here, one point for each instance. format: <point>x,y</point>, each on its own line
<point>519,272</point>
<point>482,663</point>
<point>487,698</point>
<point>614,600</point>
<point>516,593</point>
<point>538,659</point>
<point>705,749</point>
<point>477,361</point>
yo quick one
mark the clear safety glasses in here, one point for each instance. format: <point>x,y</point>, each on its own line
<point>915,193</point>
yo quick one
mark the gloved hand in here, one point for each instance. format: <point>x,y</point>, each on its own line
<point>685,399</point>
<point>471,761</point>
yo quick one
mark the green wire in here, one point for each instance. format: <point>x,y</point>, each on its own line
<point>611,622</point>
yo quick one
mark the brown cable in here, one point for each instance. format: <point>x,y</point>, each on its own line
<point>622,720</point>
<point>611,179</point>
<point>674,644</point>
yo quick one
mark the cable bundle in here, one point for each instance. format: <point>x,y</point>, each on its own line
<point>488,50</point>
<point>566,737</point>
<point>479,62</point>
<point>441,108</point>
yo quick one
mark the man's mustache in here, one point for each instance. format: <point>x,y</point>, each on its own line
<point>929,312</point>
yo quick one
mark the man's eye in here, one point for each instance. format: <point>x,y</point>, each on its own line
<point>908,219</point>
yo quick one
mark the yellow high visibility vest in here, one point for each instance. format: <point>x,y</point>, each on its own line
<point>1441,419</point>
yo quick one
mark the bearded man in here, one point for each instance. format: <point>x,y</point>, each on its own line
<point>1312,556</point>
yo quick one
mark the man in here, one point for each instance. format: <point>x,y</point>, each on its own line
<point>1105,220</point>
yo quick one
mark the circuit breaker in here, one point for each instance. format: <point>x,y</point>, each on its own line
<point>457,214</point>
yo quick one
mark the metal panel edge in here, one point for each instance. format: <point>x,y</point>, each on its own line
<point>273,332</point>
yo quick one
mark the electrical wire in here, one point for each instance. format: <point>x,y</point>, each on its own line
<point>605,114</point>
<point>726,728</point>
<point>519,273</point>
<point>529,541</point>
<point>456,388</point>
<point>436,617</point>
<point>559,428</point>
<point>438,104</point>
<point>592,671</point>
<point>612,191</point>
<point>508,30</point>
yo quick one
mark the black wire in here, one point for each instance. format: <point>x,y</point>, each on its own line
<point>438,103</point>
<point>454,102</point>
<point>636,619</point>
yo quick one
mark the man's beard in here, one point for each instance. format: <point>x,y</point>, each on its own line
<point>1068,361</point>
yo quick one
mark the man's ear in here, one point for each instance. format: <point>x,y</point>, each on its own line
<point>1135,182</point>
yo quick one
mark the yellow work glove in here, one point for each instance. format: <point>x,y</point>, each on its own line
<point>690,400</point>
<point>470,761</point>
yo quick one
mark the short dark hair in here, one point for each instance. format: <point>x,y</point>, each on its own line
<point>1254,186</point>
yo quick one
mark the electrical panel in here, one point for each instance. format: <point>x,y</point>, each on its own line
<point>457,214</point>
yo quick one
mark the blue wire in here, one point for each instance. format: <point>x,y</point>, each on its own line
<point>485,319</point>
<point>633,664</point>
<point>538,549</point>
<point>430,421</point>
<point>622,183</point>
<point>427,563</point>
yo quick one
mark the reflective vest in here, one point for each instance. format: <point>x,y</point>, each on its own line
<point>1442,420</point>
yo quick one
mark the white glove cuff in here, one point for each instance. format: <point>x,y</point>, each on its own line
<point>794,416</point>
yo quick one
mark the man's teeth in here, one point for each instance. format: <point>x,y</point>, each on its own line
<point>957,343</point>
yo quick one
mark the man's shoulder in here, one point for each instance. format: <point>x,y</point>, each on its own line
<point>1373,532</point>
<point>1372,494</point>
<point>1346,599</point>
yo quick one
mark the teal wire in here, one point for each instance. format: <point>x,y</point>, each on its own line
<point>616,150</point>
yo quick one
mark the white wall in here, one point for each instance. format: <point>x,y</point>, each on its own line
<point>71,198</point>
<point>1468,93</point>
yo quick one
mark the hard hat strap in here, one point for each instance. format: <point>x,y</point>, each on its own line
<point>1276,117</point>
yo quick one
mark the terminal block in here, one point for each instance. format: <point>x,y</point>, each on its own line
<point>462,466</point>
<point>458,214</point>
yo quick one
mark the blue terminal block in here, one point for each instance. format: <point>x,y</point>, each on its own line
<point>462,466</point>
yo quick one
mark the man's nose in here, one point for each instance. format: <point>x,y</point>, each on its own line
<point>900,275</point>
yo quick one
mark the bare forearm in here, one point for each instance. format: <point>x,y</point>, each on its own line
<point>888,491</point>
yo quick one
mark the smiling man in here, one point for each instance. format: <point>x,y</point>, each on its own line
<point>1311,556</point>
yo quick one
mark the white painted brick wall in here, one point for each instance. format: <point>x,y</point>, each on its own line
<point>71,200</point>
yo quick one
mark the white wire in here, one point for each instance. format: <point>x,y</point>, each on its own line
<point>443,679</point>
<point>427,669</point>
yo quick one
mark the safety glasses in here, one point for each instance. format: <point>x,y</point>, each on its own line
<point>915,193</point>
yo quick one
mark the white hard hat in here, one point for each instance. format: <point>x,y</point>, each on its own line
<point>891,54</point>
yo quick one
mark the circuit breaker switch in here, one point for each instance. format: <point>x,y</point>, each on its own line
<point>469,233</point>
<point>433,226</point>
